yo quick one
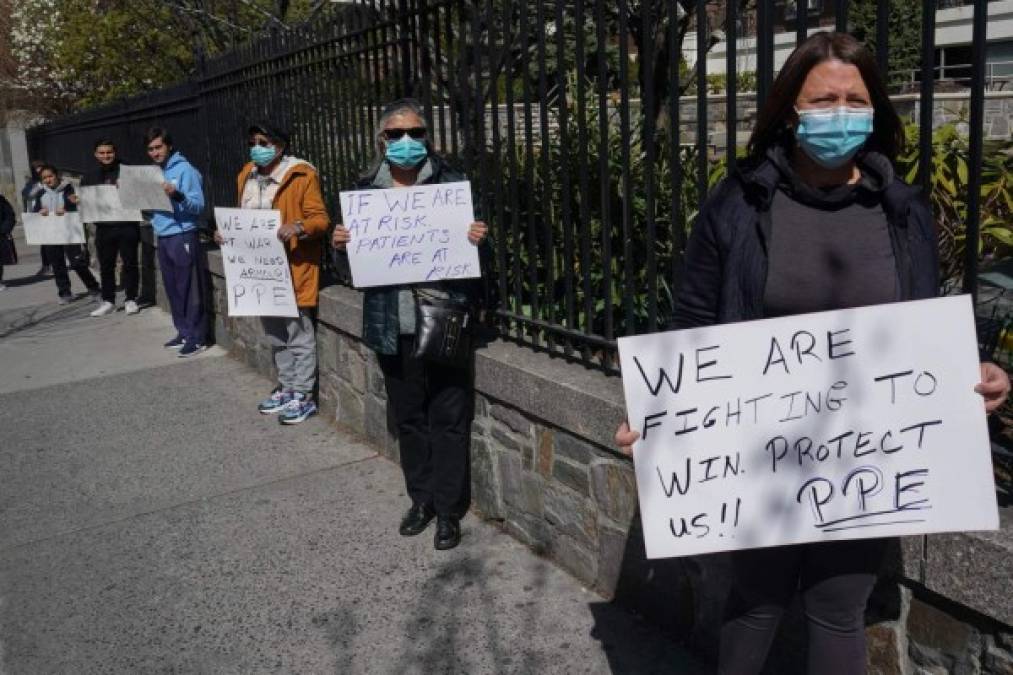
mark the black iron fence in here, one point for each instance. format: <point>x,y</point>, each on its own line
<point>588,129</point>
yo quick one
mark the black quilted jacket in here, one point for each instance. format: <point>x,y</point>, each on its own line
<point>725,271</point>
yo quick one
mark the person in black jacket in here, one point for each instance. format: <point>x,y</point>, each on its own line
<point>114,238</point>
<point>814,220</point>
<point>432,403</point>
<point>6,242</point>
<point>28,193</point>
<point>57,197</point>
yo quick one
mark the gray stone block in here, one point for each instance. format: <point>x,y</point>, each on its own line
<point>974,569</point>
<point>937,639</point>
<point>571,514</point>
<point>484,484</point>
<point>572,556</point>
<point>533,532</point>
<point>614,487</point>
<point>505,439</point>
<point>327,349</point>
<point>514,420</point>
<point>574,449</point>
<point>376,426</point>
<point>572,475</point>
<point>509,471</point>
<point>350,408</point>
<point>611,552</point>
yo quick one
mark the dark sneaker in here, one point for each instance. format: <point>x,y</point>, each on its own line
<point>189,349</point>
<point>66,299</point>
<point>448,533</point>
<point>416,520</point>
<point>298,409</point>
<point>275,403</point>
<point>174,343</point>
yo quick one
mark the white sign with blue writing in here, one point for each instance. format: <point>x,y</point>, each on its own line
<point>410,235</point>
<point>852,424</point>
<point>258,279</point>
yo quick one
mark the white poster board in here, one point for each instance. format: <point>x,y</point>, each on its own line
<point>101,204</point>
<point>410,235</point>
<point>42,230</point>
<point>258,278</point>
<point>141,188</point>
<point>837,425</point>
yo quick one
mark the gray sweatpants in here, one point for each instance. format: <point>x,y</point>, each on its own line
<point>295,350</point>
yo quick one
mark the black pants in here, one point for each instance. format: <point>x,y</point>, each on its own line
<point>59,255</point>
<point>432,406</point>
<point>112,240</point>
<point>835,580</point>
<point>146,294</point>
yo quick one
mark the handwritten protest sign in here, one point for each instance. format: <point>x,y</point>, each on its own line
<point>141,188</point>
<point>257,275</point>
<point>41,230</point>
<point>410,235</point>
<point>101,204</point>
<point>837,425</point>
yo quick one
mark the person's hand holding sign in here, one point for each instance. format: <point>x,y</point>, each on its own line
<point>289,230</point>
<point>625,438</point>
<point>994,386</point>
<point>477,231</point>
<point>341,237</point>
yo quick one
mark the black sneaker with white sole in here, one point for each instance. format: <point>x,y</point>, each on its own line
<point>189,349</point>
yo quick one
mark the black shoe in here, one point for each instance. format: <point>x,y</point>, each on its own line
<point>416,520</point>
<point>448,533</point>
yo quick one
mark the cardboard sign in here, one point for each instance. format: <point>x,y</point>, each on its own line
<point>42,230</point>
<point>410,235</point>
<point>101,204</point>
<point>258,278</point>
<point>837,425</point>
<point>141,188</point>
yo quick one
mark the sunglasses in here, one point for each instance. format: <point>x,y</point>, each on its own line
<point>415,132</point>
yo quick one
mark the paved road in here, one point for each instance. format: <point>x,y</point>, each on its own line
<point>152,522</point>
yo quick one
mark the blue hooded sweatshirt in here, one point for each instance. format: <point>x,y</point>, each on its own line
<point>187,203</point>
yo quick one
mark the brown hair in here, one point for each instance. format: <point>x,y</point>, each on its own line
<point>887,133</point>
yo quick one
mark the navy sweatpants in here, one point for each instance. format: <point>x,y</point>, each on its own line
<point>179,257</point>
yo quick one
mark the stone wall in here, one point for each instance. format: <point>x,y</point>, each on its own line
<point>544,471</point>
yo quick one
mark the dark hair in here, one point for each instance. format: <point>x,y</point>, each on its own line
<point>271,130</point>
<point>37,164</point>
<point>104,141</point>
<point>771,128</point>
<point>154,133</point>
<point>48,167</point>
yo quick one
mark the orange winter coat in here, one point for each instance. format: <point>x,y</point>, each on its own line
<point>299,198</point>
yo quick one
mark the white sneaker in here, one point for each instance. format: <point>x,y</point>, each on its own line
<point>130,307</point>
<point>103,309</point>
<point>2,287</point>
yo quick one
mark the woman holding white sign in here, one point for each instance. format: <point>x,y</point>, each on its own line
<point>814,220</point>
<point>57,198</point>
<point>274,179</point>
<point>431,401</point>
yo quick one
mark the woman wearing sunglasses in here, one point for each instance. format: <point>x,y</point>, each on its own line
<point>273,179</point>
<point>432,403</point>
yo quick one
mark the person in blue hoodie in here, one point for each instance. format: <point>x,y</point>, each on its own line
<point>178,245</point>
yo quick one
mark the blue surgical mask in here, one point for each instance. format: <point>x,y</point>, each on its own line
<point>832,136</point>
<point>406,152</point>
<point>262,155</point>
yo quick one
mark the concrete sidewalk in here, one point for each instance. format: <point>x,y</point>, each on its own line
<point>152,521</point>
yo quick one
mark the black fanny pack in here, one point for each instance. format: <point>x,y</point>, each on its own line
<point>443,331</point>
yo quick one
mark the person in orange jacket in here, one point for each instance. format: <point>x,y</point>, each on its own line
<point>273,179</point>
